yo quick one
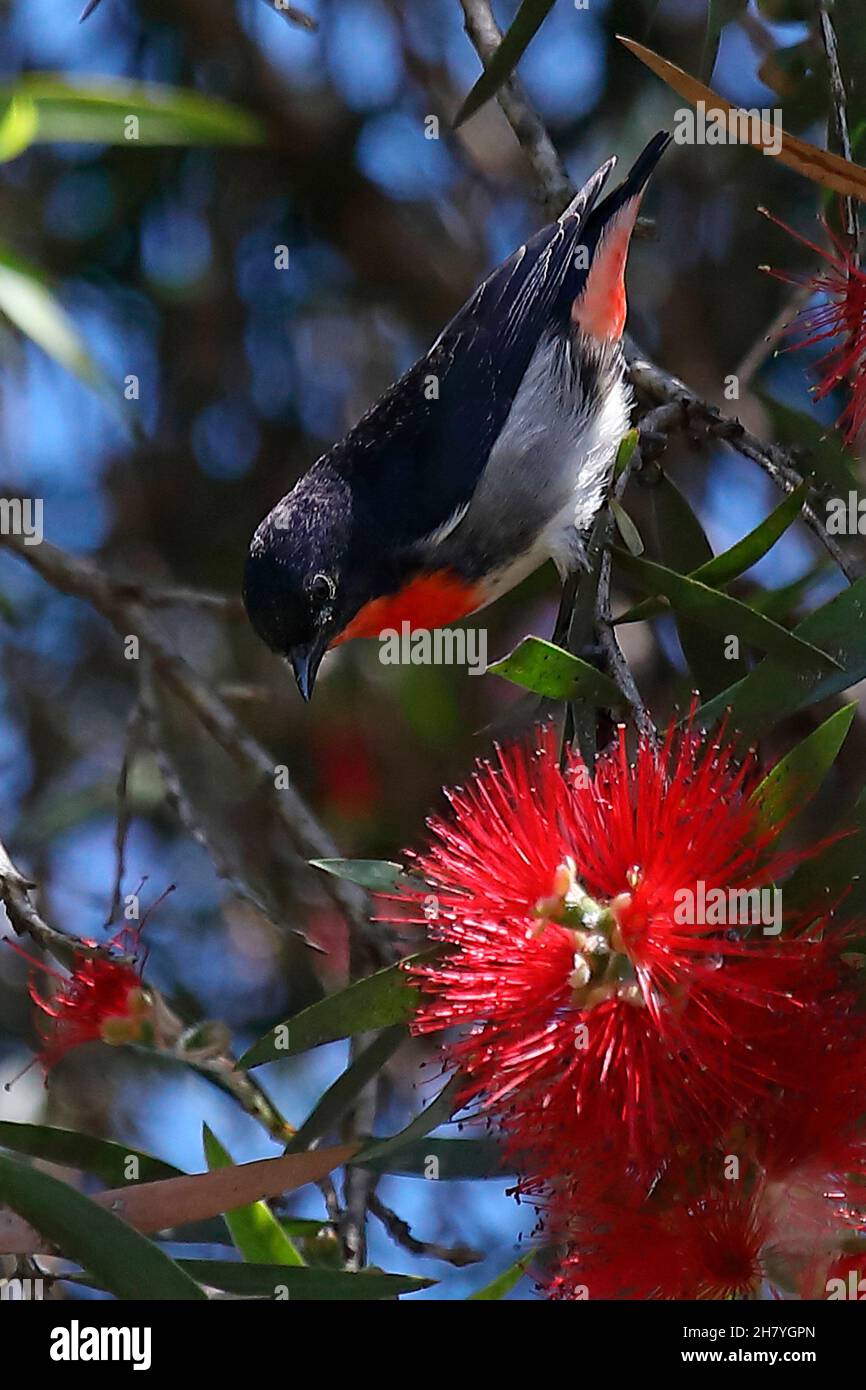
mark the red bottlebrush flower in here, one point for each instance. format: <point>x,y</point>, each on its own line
<point>610,1016</point>
<point>711,1246</point>
<point>101,998</point>
<point>810,1136</point>
<point>777,1203</point>
<point>839,321</point>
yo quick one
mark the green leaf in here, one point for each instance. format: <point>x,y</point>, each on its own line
<point>525,25</point>
<point>254,1229</point>
<point>781,603</point>
<point>836,873</point>
<point>753,547</point>
<point>722,613</point>
<point>550,671</point>
<point>769,693</point>
<point>300,1284</point>
<point>376,875</point>
<point>43,107</point>
<point>685,546</point>
<point>795,778</point>
<point>630,534</point>
<point>681,539</point>
<point>339,1097</point>
<point>625,452</point>
<point>438,1112</point>
<point>101,1157</point>
<point>454,1159</point>
<point>18,126</point>
<point>682,545</point>
<point>119,1258</point>
<point>503,1283</point>
<point>30,306</point>
<point>376,1002</point>
<point>717,570</point>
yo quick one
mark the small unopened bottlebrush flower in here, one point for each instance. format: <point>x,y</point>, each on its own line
<point>606,1014</point>
<point>101,998</point>
<point>838,320</point>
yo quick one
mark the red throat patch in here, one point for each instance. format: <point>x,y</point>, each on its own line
<point>427,601</point>
<point>600,310</point>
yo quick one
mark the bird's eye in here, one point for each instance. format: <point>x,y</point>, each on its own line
<point>322,588</point>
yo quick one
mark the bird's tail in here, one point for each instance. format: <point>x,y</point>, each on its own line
<point>603,233</point>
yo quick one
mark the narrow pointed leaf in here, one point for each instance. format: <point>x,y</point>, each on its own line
<point>821,166</point>
<point>550,671</point>
<point>768,694</point>
<point>443,1159</point>
<point>105,1159</point>
<point>683,546</point>
<point>717,570</point>
<point>31,307</point>
<point>155,1206</point>
<point>302,1284</point>
<point>503,1283</point>
<point>254,1229</point>
<point>795,778</point>
<point>376,875</point>
<point>625,452</point>
<point>741,556</point>
<point>120,1258</point>
<point>722,613</point>
<point>111,111</point>
<point>438,1112</point>
<point>630,534</point>
<point>376,1002</point>
<point>524,27</point>
<point>338,1098</point>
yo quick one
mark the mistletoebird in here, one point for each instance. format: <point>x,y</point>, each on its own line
<point>491,455</point>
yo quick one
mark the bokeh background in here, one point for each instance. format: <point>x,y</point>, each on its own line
<point>164,260</point>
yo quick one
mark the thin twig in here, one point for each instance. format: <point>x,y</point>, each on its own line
<point>553,181</point>
<point>26,920</point>
<point>400,1231</point>
<point>134,731</point>
<point>840,121</point>
<point>663,389</point>
<point>154,596</point>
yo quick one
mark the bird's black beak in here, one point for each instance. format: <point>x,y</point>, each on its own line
<point>305,662</point>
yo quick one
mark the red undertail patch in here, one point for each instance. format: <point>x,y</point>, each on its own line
<point>600,309</point>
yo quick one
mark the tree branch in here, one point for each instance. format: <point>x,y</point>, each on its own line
<point>678,406</point>
<point>25,920</point>
<point>401,1232</point>
<point>306,835</point>
<point>556,187</point>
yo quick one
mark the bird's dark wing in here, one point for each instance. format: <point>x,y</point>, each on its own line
<point>428,439</point>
